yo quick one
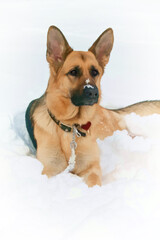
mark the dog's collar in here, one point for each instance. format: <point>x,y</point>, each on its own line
<point>69,128</point>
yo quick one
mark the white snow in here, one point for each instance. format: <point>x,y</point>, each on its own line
<point>63,207</point>
<point>87,81</point>
<point>88,86</point>
<point>127,206</point>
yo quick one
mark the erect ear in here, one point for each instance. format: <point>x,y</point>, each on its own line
<point>102,47</point>
<point>57,47</point>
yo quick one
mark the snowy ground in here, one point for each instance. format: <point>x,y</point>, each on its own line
<point>127,206</point>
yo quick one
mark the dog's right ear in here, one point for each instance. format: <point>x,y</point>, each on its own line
<point>57,47</point>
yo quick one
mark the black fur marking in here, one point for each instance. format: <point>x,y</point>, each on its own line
<point>29,124</point>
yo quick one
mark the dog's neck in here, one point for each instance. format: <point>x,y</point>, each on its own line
<point>84,115</point>
<point>67,128</point>
<point>70,114</point>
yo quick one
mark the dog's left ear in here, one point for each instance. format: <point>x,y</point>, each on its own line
<point>57,47</point>
<point>102,47</point>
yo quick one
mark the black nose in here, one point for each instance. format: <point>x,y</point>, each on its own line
<point>90,92</point>
<point>88,96</point>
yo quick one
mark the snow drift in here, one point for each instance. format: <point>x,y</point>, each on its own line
<point>127,206</point>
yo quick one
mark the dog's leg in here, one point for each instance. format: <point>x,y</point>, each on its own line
<point>53,161</point>
<point>87,161</point>
<point>49,152</point>
<point>92,175</point>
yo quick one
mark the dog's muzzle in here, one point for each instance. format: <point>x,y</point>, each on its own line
<point>89,96</point>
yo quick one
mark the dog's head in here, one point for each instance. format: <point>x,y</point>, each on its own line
<point>76,75</point>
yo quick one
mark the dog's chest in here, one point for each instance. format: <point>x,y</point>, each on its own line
<point>85,152</point>
<point>65,140</point>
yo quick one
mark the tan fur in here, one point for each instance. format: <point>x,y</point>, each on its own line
<point>141,108</point>
<point>53,144</point>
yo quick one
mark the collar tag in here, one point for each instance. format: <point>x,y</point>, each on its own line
<point>86,126</point>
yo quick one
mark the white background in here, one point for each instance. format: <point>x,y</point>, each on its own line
<point>63,207</point>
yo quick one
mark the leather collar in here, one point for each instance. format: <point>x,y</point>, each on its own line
<point>65,127</point>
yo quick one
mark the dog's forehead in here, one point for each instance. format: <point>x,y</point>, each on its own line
<point>79,58</point>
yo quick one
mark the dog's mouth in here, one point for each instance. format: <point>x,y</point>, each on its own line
<point>89,96</point>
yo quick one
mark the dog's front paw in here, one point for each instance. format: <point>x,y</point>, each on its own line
<point>93,179</point>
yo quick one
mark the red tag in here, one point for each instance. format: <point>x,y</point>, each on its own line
<point>86,126</point>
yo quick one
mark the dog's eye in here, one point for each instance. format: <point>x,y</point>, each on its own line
<point>73,73</point>
<point>94,72</point>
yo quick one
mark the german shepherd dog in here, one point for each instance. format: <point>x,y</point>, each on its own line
<point>70,111</point>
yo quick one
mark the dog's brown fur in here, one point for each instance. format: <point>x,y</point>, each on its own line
<point>53,144</point>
